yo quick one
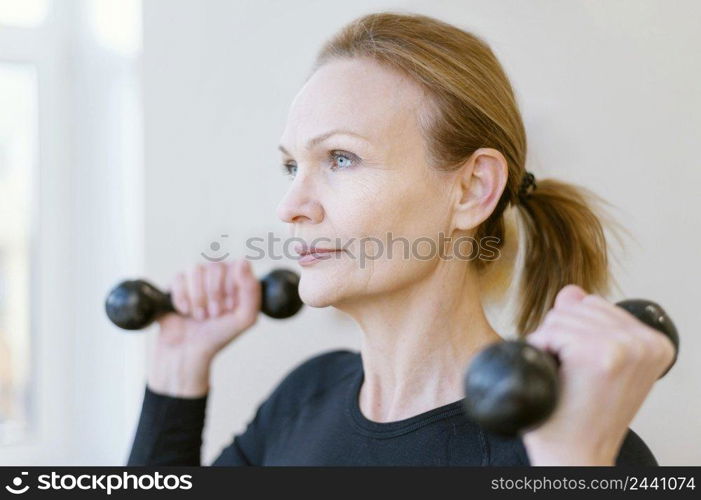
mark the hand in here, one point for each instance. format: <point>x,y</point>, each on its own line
<point>216,302</point>
<point>609,361</point>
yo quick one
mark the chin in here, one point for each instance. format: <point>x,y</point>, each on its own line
<point>316,294</point>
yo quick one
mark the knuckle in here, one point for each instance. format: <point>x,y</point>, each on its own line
<point>551,318</point>
<point>593,302</point>
<point>196,291</point>
<point>229,278</point>
<point>233,268</point>
<point>592,298</point>
<point>214,281</point>
<point>612,359</point>
<point>195,276</point>
<point>570,287</point>
<point>555,319</point>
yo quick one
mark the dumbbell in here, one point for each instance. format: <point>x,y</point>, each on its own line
<point>512,386</point>
<point>135,304</point>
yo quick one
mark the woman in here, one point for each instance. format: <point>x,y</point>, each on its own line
<point>408,127</point>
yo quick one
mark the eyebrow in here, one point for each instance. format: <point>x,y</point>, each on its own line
<point>320,138</point>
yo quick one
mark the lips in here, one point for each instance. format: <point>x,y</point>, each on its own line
<point>303,250</point>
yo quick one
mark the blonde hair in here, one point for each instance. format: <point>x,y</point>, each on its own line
<point>473,106</point>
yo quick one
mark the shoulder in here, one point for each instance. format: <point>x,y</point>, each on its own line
<point>312,378</point>
<point>634,451</point>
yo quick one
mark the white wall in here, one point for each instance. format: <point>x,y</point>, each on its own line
<point>609,94</point>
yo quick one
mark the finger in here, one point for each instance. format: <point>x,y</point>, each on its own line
<point>569,295</point>
<point>179,295</point>
<point>214,288</point>
<point>557,322</point>
<point>599,313</point>
<point>565,344</point>
<point>605,305</point>
<point>558,329</point>
<point>198,297</point>
<point>230,287</point>
<point>590,307</point>
<point>586,334</point>
<point>593,314</point>
<point>249,291</point>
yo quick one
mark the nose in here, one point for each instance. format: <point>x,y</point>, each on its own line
<point>299,203</point>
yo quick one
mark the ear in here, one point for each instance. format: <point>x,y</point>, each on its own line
<point>481,182</point>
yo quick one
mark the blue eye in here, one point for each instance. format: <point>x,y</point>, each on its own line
<point>339,160</point>
<point>342,160</point>
<point>289,169</point>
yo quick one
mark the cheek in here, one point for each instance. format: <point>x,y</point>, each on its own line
<point>382,226</point>
<point>382,203</point>
<point>393,231</point>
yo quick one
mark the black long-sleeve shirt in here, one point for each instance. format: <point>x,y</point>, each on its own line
<point>312,418</point>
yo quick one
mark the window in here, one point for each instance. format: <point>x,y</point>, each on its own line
<point>18,147</point>
<point>23,13</point>
<point>70,212</point>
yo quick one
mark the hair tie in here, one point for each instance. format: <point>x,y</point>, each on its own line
<point>528,184</point>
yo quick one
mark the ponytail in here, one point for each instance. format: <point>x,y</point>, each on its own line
<point>564,242</point>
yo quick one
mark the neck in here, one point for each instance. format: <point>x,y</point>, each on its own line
<point>417,341</point>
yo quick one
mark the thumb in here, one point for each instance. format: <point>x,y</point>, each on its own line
<point>569,295</point>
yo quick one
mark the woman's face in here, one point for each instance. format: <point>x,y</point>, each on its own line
<point>358,170</point>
